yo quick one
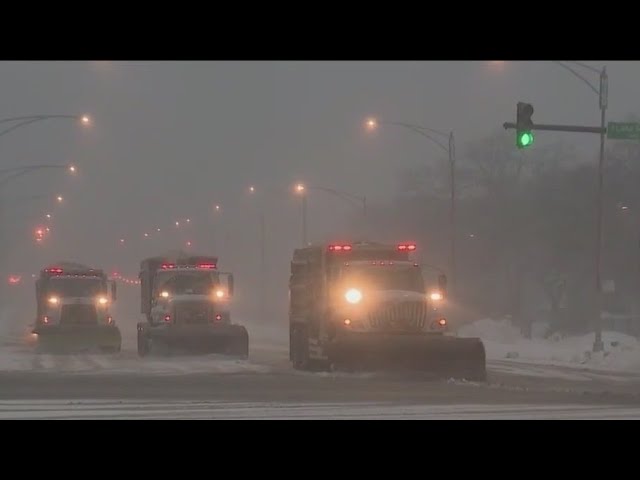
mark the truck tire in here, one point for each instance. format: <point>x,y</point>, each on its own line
<point>240,345</point>
<point>477,375</point>
<point>300,348</point>
<point>299,352</point>
<point>143,344</point>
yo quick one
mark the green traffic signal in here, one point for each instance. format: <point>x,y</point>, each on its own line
<point>524,125</point>
<point>525,139</point>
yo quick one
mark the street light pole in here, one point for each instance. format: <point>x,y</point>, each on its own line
<point>603,93</point>
<point>302,189</point>
<point>450,150</point>
<point>304,219</point>
<point>263,263</point>
<point>29,119</point>
<point>344,195</point>
<point>598,345</point>
<point>452,210</point>
<point>15,172</point>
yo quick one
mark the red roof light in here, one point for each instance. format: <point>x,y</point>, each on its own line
<point>340,248</point>
<point>207,265</point>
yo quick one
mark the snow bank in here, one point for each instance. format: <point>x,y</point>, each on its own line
<point>504,341</point>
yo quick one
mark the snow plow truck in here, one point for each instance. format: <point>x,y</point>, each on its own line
<point>186,301</point>
<point>74,304</point>
<point>365,305</point>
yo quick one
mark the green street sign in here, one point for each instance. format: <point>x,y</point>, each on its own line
<point>623,131</point>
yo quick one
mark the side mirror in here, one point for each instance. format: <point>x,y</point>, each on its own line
<point>113,290</point>
<point>442,283</point>
<point>230,285</point>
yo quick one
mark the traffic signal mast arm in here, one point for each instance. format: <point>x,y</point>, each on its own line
<point>559,128</point>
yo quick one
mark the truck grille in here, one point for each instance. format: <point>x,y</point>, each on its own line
<point>399,316</point>
<point>193,314</point>
<point>78,315</point>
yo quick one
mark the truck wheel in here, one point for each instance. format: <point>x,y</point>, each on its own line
<point>477,375</point>
<point>243,347</point>
<point>300,348</point>
<point>143,344</point>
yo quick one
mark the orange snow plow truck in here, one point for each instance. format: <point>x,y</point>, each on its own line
<point>362,305</point>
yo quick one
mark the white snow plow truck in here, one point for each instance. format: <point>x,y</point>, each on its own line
<point>363,305</point>
<point>74,310</point>
<point>187,304</point>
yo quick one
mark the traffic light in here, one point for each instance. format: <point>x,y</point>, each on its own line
<point>524,125</point>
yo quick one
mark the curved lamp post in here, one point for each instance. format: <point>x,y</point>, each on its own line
<point>450,149</point>
<point>301,189</point>
<point>29,119</point>
<point>602,92</point>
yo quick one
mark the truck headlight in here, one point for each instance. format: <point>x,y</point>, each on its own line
<point>436,296</point>
<point>220,293</point>
<point>54,300</point>
<point>164,294</point>
<point>103,300</point>
<point>353,295</point>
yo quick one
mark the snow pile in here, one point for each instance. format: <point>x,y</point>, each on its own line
<point>503,341</point>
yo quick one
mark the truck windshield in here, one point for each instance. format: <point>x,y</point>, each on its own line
<point>76,287</point>
<point>186,283</point>
<point>378,277</point>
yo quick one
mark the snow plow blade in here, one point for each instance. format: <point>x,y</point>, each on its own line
<point>232,340</point>
<point>72,339</point>
<point>443,356</point>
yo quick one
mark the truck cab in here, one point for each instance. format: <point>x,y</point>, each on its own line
<point>74,303</point>
<point>367,303</point>
<point>187,303</point>
<point>385,295</point>
<point>191,295</point>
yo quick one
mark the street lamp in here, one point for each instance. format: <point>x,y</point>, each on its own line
<point>603,93</point>
<point>372,124</point>
<point>24,121</point>
<point>345,196</point>
<point>301,189</point>
<point>15,172</point>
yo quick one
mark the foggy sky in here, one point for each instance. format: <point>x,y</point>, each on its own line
<point>171,139</point>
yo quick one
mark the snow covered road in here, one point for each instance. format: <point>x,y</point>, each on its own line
<point>141,410</point>
<point>537,380</point>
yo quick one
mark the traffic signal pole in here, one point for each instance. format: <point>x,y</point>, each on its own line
<point>562,128</point>
<point>524,125</point>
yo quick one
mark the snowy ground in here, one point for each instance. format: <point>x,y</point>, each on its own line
<point>503,342</point>
<point>507,352</point>
<point>126,409</point>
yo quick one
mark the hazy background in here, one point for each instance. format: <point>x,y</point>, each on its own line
<point>169,140</point>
